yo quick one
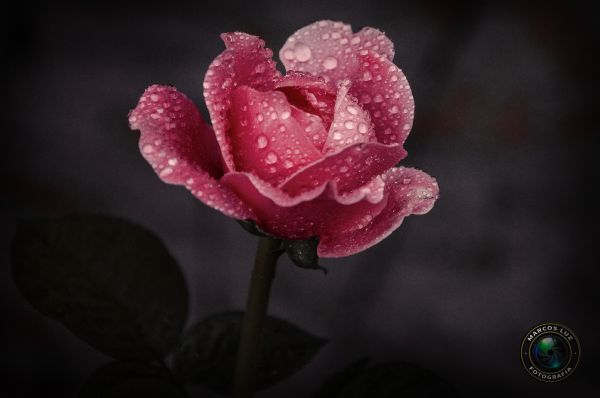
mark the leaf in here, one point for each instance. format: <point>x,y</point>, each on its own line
<point>111,282</point>
<point>387,380</point>
<point>208,352</point>
<point>131,379</point>
<point>303,253</point>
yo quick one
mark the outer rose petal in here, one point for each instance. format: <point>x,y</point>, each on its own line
<point>328,49</point>
<point>265,137</point>
<point>350,168</point>
<point>351,124</point>
<point>245,62</point>
<point>312,213</point>
<point>382,89</point>
<point>182,149</point>
<point>409,191</point>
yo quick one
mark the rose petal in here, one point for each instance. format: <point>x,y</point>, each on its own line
<point>328,49</point>
<point>265,138</point>
<point>383,91</point>
<point>312,125</point>
<point>409,191</point>
<point>351,124</point>
<point>312,213</point>
<point>350,168</point>
<point>182,149</point>
<point>245,62</point>
<point>309,93</point>
<point>375,40</point>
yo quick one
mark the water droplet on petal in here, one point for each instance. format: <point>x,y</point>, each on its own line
<point>166,171</point>
<point>285,115</point>
<point>288,164</point>
<point>349,124</point>
<point>148,148</point>
<point>378,98</point>
<point>271,158</point>
<point>154,97</point>
<point>302,52</point>
<point>330,63</point>
<point>261,141</point>
<point>352,110</point>
<point>172,162</point>
<point>337,136</point>
<point>260,117</point>
<point>362,128</point>
<point>355,40</point>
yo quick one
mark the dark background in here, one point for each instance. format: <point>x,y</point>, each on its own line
<point>505,115</point>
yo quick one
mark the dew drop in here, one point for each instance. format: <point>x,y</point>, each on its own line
<point>289,55</point>
<point>349,124</point>
<point>337,136</point>
<point>355,40</point>
<point>261,141</point>
<point>148,148</point>
<point>288,164</point>
<point>172,162</point>
<point>260,117</point>
<point>302,52</point>
<point>393,109</point>
<point>362,128</point>
<point>271,158</point>
<point>330,63</point>
<point>166,171</point>
<point>352,110</point>
<point>154,97</point>
<point>378,98</point>
<point>406,127</point>
<point>285,115</point>
<point>367,76</point>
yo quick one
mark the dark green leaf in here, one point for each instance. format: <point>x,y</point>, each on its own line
<point>387,380</point>
<point>208,352</point>
<point>303,253</point>
<point>128,379</point>
<point>110,282</point>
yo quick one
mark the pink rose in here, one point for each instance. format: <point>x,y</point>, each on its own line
<point>312,153</point>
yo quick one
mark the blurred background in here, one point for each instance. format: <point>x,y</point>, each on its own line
<point>505,114</point>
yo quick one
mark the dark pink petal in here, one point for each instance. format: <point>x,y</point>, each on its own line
<point>351,124</point>
<point>245,62</point>
<point>328,49</point>
<point>352,167</point>
<point>182,148</point>
<point>382,89</point>
<point>408,191</point>
<point>265,137</point>
<point>312,213</point>
<point>309,93</point>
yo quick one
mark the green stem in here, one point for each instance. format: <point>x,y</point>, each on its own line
<point>267,253</point>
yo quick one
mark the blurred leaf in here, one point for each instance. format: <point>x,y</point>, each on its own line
<point>337,381</point>
<point>110,282</point>
<point>128,379</point>
<point>303,253</point>
<point>208,352</point>
<point>387,380</point>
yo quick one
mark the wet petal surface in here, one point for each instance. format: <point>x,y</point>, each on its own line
<point>328,48</point>
<point>245,61</point>
<point>182,149</point>
<point>408,191</point>
<point>265,137</point>
<point>383,91</point>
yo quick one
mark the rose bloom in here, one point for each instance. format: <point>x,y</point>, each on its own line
<point>308,154</point>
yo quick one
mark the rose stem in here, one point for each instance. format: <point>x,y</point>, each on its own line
<point>267,253</point>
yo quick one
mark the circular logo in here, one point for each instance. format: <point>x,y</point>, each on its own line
<point>550,352</point>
